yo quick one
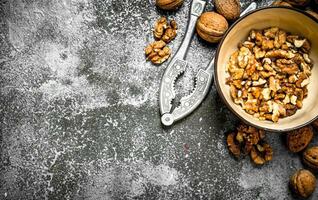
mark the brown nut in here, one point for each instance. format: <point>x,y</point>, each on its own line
<point>298,140</point>
<point>169,4</point>
<point>298,2</point>
<point>281,3</point>
<point>261,154</point>
<point>211,26</point>
<point>233,146</point>
<point>230,9</point>
<point>310,158</point>
<point>160,27</point>
<point>303,183</point>
<point>157,52</point>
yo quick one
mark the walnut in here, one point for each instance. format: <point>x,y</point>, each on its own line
<point>233,145</point>
<point>303,183</point>
<point>259,53</point>
<point>230,9</point>
<point>160,27</point>
<point>157,52</point>
<point>279,54</point>
<point>169,4</point>
<point>280,39</point>
<point>261,153</point>
<point>298,140</point>
<point>248,140</point>
<point>211,26</point>
<point>164,31</point>
<point>310,158</point>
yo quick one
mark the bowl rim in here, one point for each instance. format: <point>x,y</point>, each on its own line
<point>216,79</point>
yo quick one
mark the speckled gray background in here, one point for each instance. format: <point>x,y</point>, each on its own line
<point>80,118</point>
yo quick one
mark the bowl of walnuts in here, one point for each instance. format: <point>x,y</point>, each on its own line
<point>266,68</point>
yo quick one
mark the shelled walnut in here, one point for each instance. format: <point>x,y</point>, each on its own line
<point>269,73</point>
<point>248,140</point>
<point>157,52</point>
<point>164,32</point>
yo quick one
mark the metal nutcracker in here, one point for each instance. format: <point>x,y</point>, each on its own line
<point>178,65</point>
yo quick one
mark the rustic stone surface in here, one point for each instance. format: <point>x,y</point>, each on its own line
<point>80,117</point>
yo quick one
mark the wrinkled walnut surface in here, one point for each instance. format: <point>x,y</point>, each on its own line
<point>303,183</point>
<point>310,157</point>
<point>248,140</point>
<point>298,140</point>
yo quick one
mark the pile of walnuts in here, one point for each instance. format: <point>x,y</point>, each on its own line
<point>269,73</point>
<point>164,32</point>
<point>248,140</point>
<point>303,181</point>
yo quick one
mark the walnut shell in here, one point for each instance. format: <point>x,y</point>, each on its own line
<point>310,158</point>
<point>303,183</point>
<point>169,4</point>
<point>298,2</point>
<point>230,9</point>
<point>298,140</point>
<point>211,26</point>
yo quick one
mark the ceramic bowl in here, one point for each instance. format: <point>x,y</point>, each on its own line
<point>291,20</point>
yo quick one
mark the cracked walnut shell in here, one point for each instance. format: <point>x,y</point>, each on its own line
<point>310,158</point>
<point>169,4</point>
<point>211,26</point>
<point>298,140</point>
<point>303,183</point>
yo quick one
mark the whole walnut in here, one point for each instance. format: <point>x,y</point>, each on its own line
<point>298,2</point>
<point>310,158</point>
<point>230,9</point>
<point>169,4</point>
<point>298,140</point>
<point>211,26</point>
<point>303,183</point>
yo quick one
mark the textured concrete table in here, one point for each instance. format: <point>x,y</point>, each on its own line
<point>80,118</point>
